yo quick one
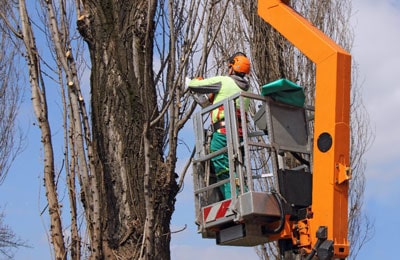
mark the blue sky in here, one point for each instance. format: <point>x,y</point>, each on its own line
<point>376,50</point>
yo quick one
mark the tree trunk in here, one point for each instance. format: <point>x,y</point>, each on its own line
<point>40,109</point>
<point>130,172</point>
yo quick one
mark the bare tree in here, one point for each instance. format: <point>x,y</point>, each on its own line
<point>11,138</point>
<point>360,226</point>
<point>139,125</point>
<point>119,161</point>
<point>9,241</point>
<point>40,108</point>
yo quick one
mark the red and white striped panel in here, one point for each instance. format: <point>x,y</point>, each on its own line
<point>216,211</point>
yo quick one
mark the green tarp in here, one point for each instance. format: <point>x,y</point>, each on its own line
<point>285,91</point>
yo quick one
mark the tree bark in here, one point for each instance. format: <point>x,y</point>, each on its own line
<point>127,148</point>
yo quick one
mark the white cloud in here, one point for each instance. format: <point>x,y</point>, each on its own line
<point>377,52</point>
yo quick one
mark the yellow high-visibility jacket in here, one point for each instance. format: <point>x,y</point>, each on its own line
<point>223,87</point>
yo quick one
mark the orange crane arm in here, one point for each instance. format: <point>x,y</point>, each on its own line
<point>331,163</point>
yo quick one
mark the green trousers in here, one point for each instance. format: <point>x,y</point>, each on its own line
<point>221,162</point>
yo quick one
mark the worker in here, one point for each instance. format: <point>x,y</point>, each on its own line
<point>219,88</point>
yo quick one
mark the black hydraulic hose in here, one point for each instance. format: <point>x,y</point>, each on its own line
<point>311,255</point>
<point>314,250</point>
<point>282,217</point>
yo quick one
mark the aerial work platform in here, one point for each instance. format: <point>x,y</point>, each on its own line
<point>259,170</point>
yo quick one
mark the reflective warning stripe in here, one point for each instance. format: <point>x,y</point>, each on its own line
<point>216,211</point>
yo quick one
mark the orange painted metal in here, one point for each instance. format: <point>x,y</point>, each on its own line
<point>331,168</point>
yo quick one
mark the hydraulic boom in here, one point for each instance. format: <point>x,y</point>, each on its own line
<point>331,163</point>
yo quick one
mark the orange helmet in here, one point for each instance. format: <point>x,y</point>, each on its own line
<point>239,63</point>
